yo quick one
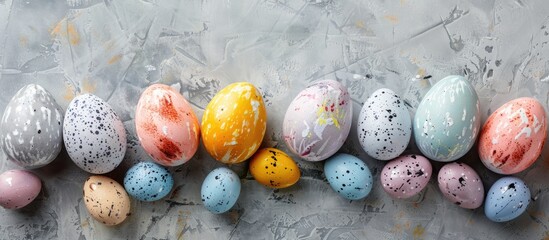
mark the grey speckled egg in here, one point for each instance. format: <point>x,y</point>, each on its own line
<point>31,128</point>
<point>94,136</point>
<point>384,125</point>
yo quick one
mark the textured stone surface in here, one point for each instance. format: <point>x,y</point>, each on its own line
<point>115,49</point>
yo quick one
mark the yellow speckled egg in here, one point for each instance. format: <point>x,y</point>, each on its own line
<point>234,123</point>
<point>106,200</point>
<point>274,168</point>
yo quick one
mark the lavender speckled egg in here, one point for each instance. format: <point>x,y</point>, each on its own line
<point>318,120</point>
<point>384,125</point>
<point>447,120</point>
<point>220,190</point>
<point>31,127</point>
<point>94,136</point>
<point>460,184</point>
<point>147,181</point>
<point>348,176</point>
<point>507,199</point>
<point>406,176</point>
<point>18,188</point>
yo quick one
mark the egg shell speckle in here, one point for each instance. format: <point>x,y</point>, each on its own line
<point>220,190</point>
<point>106,200</point>
<point>461,185</point>
<point>406,176</point>
<point>274,168</point>
<point>31,127</point>
<point>513,136</point>
<point>94,136</point>
<point>166,125</point>
<point>447,120</point>
<point>384,125</point>
<point>147,181</point>
<point>234,123</point>
<point>318,120</point>
<point>348,176</point>
<point>18,188</point>
<point>507,199</point>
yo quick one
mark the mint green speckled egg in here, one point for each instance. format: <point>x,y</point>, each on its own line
<point>447,120</point>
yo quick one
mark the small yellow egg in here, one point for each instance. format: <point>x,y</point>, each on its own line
<point>274,168</point>
<point>234,123</point>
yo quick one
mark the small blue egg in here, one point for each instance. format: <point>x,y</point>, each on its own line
<point>507,199</point>
<point>348,176</point>
<point>147,181</point>
<point>220,190</point>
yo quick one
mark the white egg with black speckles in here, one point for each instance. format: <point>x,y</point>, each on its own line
<point>94,136</point>
<point>31,127</point>
<point>147,181</point>
<point>384,125</point>
<point>507,199</point>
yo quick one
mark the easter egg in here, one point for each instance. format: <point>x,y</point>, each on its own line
<point>406,176</point>
<point>166,125</point>
<point>94,136</point>
<point>31,128</point>
<point>234,123</point>
<point>220,190</point>
<point>461,185</point>
<point>106,200</point>
<point>507,199</point>
<point>348,176</point>
<point>384,125</point>
<point>447,120</point>
<point>274,168</point>
<point>318,120</point>
<point>18,188</point>
<point>513,136</point>
<point>147,181</point>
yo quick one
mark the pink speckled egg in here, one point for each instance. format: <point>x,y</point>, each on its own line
<point>461,185</point>
<point>318,120</point>
<point>513,136</point>
<point>406,176</point>
<point>18,188</point>
<point>166,125</point>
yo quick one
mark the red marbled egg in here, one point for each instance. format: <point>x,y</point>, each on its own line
<point>166,125</point>
<point>513,136</point>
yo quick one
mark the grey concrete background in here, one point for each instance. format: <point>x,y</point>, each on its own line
<point>114,49</point>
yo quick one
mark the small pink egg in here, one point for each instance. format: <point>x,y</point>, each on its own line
<point>460,184</point>
<point>166,125</point>
<point>18,188</point>
<point>406,176</point>
<point>513,136</point>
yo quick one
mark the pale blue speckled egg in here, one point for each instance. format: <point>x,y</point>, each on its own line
<point>447,120</point>
<point>348,176</point>
<point>507,199</point>
<point>147,181</point>
<point>220,190</point>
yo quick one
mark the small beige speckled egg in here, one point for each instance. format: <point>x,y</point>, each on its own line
<point>106,200</point>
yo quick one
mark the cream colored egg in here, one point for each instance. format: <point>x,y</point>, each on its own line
<point>106,200</point>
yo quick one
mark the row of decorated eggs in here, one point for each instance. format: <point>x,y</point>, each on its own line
<point>317,118</point>
<point>445,126</point>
